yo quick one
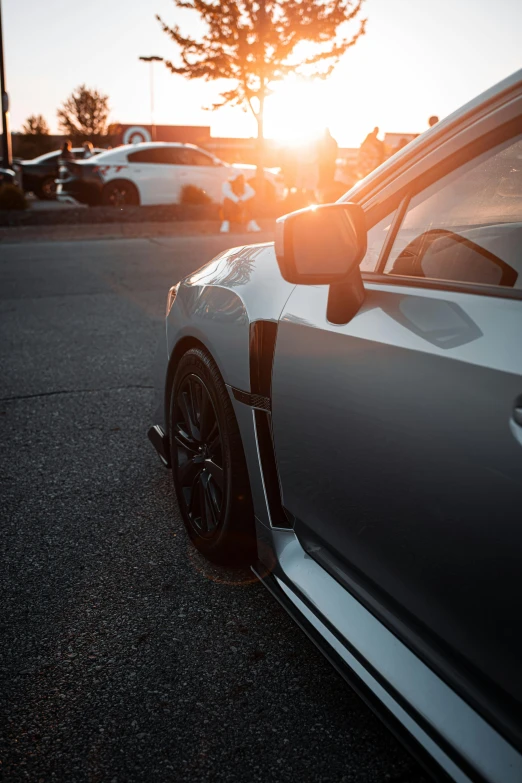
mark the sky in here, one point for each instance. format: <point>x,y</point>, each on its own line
<point>418,58</point>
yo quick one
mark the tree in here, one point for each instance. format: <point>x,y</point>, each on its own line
<point>35,125</point>
<point>34,138</point>
<point>254,44</point>
<point>83,116</point>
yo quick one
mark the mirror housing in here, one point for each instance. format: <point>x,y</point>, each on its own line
<point>321,245</point>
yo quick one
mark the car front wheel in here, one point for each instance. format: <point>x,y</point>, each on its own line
<point>47,189</point>
<point>208,463</point>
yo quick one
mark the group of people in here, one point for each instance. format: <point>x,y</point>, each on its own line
<point>311,171</point>
<point>67,153</point>
<point>372,151</point>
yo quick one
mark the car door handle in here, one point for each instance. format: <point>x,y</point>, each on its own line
<point>517,415</point>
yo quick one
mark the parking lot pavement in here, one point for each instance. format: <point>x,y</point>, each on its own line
<point>124,656</point>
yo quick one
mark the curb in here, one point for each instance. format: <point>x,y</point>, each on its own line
<point>146,230</point>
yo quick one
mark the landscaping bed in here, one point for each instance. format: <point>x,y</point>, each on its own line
<point>135,230</point>
<point>167,213</point>
<point>95,215</point>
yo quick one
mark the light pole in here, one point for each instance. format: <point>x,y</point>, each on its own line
<point>6,135</point>
<point>151,60</point>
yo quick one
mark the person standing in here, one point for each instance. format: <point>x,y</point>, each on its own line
<point>88,150</point>
<point>237,203</point>
<point>66,153</point>
<point>307,175</point>
<point>327,157</point>
<point>371,153</point>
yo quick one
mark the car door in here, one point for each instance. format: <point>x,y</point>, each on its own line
<point>205,172</point>
<point>398,435</point>
<point>157,172</point>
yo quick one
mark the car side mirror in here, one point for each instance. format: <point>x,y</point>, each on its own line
<point>321,245</point>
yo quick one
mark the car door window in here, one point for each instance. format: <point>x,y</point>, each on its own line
<point>375,242</point>
<point>174,156</point>
<point>467,226</point>
<point>197,158</point>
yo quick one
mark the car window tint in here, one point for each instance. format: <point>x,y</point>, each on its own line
<point>375,241</point>
<point>197,158</point>
<point>160,155</point>
<point>467,226</point>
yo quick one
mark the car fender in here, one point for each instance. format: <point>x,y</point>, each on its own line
<point>110,171</point>
<point>218,303</point>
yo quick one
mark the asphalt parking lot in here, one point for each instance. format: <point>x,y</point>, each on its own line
<point>124,656</point>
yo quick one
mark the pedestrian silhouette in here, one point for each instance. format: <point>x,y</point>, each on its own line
<point>371,153</point>
<point>66,153</point>
<point>326,158</point>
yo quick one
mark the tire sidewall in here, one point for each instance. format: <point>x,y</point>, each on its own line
<point>194,363</point>
<point>115,184</point>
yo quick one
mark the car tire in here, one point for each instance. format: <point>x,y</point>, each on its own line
<point>208,463</point>
<point>46,190</point>
<point>119,193</point>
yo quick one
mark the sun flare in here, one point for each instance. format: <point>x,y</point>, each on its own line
<point>296,112</point>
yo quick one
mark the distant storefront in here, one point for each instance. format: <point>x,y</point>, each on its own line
<point>230,149</point>
<point>133,134</point>
<point>396,141</point>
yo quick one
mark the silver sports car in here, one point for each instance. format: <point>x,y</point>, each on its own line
<point>343,411</point>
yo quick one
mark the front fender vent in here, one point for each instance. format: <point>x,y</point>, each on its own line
<point>263,336</point>
<point>254,400</point>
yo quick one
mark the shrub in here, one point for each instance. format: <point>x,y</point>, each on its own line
<point>191,194</point>
<point>12,197</point>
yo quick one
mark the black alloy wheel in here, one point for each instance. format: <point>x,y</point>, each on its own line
<point>199,456</point>
<point>208,463</point>
<point>47,189</point>
<point>120,193</point>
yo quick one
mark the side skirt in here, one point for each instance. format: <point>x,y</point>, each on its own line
<point>353,680</point>
<point>439,728</point>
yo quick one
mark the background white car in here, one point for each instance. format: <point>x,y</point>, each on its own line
<point>152,173</point>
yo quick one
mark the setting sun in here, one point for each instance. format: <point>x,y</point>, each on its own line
<point>297,111</point>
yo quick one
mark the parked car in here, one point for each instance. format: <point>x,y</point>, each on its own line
<point>343,410</point>
<point>151,173</point>
<point>38,175</point>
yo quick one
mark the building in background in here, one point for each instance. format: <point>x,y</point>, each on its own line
<point>133,134</point>
<point>396,141</point>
